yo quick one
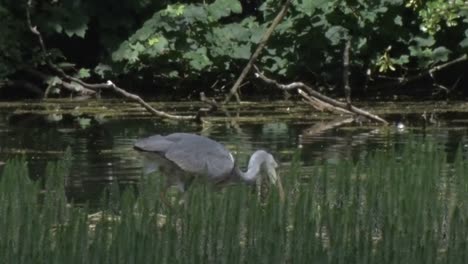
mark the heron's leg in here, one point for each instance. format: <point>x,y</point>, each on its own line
<point>163,197</point>
<point>183,186</point>
<point>184,200</point>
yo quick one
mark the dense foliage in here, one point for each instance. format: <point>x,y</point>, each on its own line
<point>203,45</point>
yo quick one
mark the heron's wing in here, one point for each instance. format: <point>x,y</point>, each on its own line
<point>155,143</point>
<point>202,156</point>
<point>153,149</point>
<point>201,163</point>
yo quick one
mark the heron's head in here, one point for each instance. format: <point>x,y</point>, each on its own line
<point>268,166</point>
<point>262,163</point>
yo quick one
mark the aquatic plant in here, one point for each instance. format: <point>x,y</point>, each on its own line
<point>400,205</point>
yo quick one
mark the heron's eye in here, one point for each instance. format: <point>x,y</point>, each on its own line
<point>274,164</point>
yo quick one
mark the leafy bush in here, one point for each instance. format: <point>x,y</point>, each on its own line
<point>198,44</point>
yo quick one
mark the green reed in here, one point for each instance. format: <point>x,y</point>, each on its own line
<point>406,205</point>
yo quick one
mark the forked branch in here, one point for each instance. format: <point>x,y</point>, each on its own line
<point>324,102</point>
<point>261,45</point>
<point>97,86</point>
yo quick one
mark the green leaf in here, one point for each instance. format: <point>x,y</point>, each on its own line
<point>153,40</point>
<point>102,69</point>
<point>398,21</point>
<point>83,73</point>
<point>75,24</point>
<point>195,13</point>
<point>175,10</point>
<point>335,34</point>
<point>257,34</point>
<point>241,52</point>
<point>144,33</point>
<point>198,59</point>
<point>464,42</point>
<point>158,47</point>
<point>78,31</point>
<point>173,74</point>
<point>137,47</point>
<point>308,6</point>
<point>425,42</point>
<point>361,43</point>
<point>403,59</point>
<point>223,8</point>
<point>441,54</point>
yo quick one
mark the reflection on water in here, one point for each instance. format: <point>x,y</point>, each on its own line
<point>102,148</point>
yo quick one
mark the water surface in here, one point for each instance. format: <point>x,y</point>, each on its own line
<point>101,134</point>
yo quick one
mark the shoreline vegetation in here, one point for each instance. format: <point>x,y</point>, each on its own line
<point>403,204</point>
<point>310,50</point>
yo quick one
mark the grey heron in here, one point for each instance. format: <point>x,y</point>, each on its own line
<point>182,157</point>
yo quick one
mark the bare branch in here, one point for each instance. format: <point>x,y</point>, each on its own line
<point>257,52</point>
<point>89,88</point>
<point>436,69</point>
<point>347,88</point>
<point>405,80</point>
<point>148,107</point>
<point>34,28</point>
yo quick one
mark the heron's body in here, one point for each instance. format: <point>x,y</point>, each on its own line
<point>181,157</point>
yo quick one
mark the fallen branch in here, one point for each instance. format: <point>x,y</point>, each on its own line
<point>321,105</point>
<point>68,85</point>
<point>261,45</point>
<point>108,85</point>
<point>148,107</point>
<point>324,126</point>
<point>325,100</point>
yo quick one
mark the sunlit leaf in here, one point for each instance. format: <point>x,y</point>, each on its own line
<point>153,41</point>
<point>175,10</point>
<point>101,69</point>
<point>398,21</point>
<point>84,73</point>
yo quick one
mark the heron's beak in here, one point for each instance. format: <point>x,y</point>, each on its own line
<point>280,189</point>
<point>276,180</point>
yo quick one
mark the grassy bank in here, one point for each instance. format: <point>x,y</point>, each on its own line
<point>398,206</point>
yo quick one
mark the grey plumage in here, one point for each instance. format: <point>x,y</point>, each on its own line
<point>181,157</point>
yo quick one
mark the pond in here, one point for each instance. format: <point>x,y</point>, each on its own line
<point>101,134</point>
<point>355,192</point>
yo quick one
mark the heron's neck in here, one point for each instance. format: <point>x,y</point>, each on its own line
<point>253,170</point>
